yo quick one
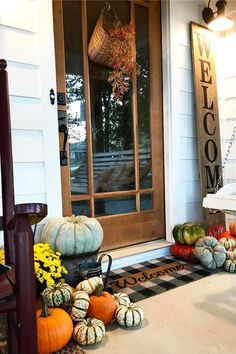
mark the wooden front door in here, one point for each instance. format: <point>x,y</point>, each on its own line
<point>112,168</point>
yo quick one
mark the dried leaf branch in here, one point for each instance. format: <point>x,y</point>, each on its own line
<point>123,59</point>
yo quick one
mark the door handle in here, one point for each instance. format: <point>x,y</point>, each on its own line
<point>63,153</point>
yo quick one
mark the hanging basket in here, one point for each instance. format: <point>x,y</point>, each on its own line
<point>112,44</point>
<point>100,44</point>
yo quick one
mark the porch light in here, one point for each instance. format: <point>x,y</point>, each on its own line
<point>220,22</point>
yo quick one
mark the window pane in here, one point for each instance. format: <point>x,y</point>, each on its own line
<point>143,96</point>
<point>115,206</point>
<point>146,202</point>
<point>75,96</point>
<point>112,124</point>
<point>80,207</point>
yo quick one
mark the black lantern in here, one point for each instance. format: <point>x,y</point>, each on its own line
<point>217,21</point>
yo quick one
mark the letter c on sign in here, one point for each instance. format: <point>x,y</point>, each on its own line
<point>206,123</point>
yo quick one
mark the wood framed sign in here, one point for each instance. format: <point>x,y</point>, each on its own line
<point>207,114</point>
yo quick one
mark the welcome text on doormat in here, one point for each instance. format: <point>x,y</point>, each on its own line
<point>149,274</point>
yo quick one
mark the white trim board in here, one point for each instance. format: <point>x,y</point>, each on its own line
<point>127,256</point>
<point>167,120</point>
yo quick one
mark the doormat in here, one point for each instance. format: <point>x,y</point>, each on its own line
<point>147,279</point>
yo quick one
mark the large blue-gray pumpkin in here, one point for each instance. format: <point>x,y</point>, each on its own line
<point>210,252</point>
<point>73,235</point>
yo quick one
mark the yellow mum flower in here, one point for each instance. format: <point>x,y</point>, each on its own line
<point>47,264</point>
<point>2,256</point>
<point>50,282</point>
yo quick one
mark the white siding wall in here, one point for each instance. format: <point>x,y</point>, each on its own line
<point>227,60</point>
<point>26,42</point>
<point>183,200</point>
<point>228,112</point>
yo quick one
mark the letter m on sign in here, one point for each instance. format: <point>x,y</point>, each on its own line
<point>212,176</point>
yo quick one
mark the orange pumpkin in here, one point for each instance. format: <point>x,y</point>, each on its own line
<point>232,228</point>
<point>54,329</point>
<point>102,305</point>
<point>73,290</point>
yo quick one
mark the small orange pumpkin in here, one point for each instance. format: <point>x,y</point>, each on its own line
<point>102,305</point>
<point>54,329</point>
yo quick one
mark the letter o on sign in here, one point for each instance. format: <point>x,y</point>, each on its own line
<point>211,150</point>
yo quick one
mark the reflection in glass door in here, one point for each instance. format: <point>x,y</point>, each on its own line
<point>113,147</point>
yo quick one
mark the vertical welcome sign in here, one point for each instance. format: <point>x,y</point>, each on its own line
<point>207,114</point>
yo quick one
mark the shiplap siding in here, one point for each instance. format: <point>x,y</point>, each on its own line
<point>27,43</point>
<point>228,88</point>
<point>184,198</point>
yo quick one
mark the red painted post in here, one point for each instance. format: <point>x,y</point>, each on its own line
<point>7,190</point>
<point>6,164</point>
<point>25,287</point>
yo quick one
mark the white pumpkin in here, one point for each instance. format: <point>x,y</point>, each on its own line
<point>89,331</point>
<point>228,243</point>
<point>57,294</point>
<point>231,255</point>
<point>89,285</point>
<point>80,305</point>
<point>73,235</point>
<point>121,299</point>
<point>129,316</point>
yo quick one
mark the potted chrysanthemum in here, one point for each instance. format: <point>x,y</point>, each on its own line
<point>47,266</point>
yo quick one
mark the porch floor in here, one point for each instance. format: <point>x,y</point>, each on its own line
<point>197,318</point>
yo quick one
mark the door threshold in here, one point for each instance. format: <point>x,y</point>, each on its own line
<point>127,256</point>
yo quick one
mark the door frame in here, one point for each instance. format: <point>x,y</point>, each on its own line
<point>169,128</point>
<point>156,85</point>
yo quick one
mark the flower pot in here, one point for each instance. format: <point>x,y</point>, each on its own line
<point>74,263</point>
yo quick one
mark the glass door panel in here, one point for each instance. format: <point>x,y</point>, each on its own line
<point>112,121</point>
<point>76,119</point>
<point>143,96</point>
<point>81,207</point>
<point>114,206</point>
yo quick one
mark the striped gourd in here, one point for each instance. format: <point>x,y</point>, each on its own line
<point>228,243</point>
<point>129,316</point>
<point>230,266</point>
<point>231,255</point>
<point>121,299</point>
<point>80,305</point>
<point>89,331</point>
<point>57,294</point>
<point>89,285</point>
